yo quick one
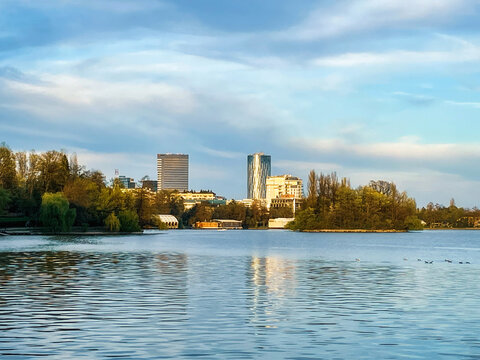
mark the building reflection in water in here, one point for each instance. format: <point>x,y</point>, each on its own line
<point>273,282</point>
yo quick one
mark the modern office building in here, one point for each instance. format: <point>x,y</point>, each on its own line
<point>259,167</point>
<point>172,170</point>
<point>128,183</point>
<point>151,185</point>
<point>283,186</point>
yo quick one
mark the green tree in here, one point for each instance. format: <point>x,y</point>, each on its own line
<point>8,173</point>
<point>4,200</point>
<point>413,223</point>
<point>55,213</point>
<point>112,223</point>
<point>144,206</point>
<point>281,212</point>
<point>305,220</point>
<point>128,221</point>
<point>54,171</point>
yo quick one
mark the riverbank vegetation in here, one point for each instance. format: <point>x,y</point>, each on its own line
<point>51,190</point>
<point>333,204</point>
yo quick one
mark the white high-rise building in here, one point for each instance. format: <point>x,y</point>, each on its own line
<point>172,170</point>
<point>258,169</point>
<point>283,186</point>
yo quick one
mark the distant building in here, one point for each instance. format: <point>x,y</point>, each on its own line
<point>190,199</point>
<point>258,168</point>
<point>202,196</point>
<point>283,186</point>
<point>229,224</point>
<point>248,202</point>
<point>172,170</point>
<point>151,185</point>
<point>219,224</point>
<point>286,201</point>
<point>128,183</point>
<point>279,223</point>
<point>206,225</point>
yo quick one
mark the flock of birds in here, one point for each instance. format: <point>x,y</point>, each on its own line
<point>446,260</point>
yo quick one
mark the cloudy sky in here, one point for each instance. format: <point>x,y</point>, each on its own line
<point>372,89</point>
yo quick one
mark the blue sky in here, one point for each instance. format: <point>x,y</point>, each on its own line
<point>372,89</point>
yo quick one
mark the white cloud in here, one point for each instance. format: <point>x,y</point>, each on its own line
<point>400,57</point>
<point>221,153</point>
<point>84,92</point>
<point>475,105</point>
<point>357,16</point>
<point>129,164</point>
<point>305,166</point>
<point>406,150</point>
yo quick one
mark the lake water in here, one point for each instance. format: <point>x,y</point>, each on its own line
<point>241,295</point>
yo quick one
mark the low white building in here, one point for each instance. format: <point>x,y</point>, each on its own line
<point>169,220</point>
<point>279,223</point>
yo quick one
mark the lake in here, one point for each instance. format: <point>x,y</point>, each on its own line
<point>241,295</point>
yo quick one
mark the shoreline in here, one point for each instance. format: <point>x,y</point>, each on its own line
<point>352,231</point>
<point>70,233</point>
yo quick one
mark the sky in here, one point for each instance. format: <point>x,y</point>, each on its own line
<point>371,89</point>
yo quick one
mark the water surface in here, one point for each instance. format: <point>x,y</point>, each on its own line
<point>241,294</point>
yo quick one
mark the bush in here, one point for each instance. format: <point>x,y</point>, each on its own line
<point>128,221</point>
<point>55,213</point>
<point>413,223</point>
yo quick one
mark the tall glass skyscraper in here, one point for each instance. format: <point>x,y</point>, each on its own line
<point>259,166</point>
<point>172,170</point>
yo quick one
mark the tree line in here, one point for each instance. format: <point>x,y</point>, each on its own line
<point>52,190</point>
<point>332,203</point>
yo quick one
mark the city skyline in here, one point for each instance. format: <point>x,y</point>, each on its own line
<point>372,90</point>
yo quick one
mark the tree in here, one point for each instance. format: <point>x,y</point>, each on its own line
<point>312,189</point>
<point>112,223</point>
<point>55,213</point>
<point>22,165</point>
<point>144,206</point>
<point>54,171</point>
<point>281,212</point>
<point>4,200</point>
<point>8,173</point>
<point>128,221</point>
<point>413,223</point>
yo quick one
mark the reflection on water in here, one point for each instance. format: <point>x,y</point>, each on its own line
<point>171,304</point>
<point>273,281</point>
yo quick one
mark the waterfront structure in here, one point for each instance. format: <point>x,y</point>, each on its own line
<point>229,224</point>
<point>258,168</point>
<point>279,223</point>
<point>172,170</point>
<point>169,220</point>
<point>283,186</point>
<point>219,224</point>
<point>128,183</point>
<point>206,225</point>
